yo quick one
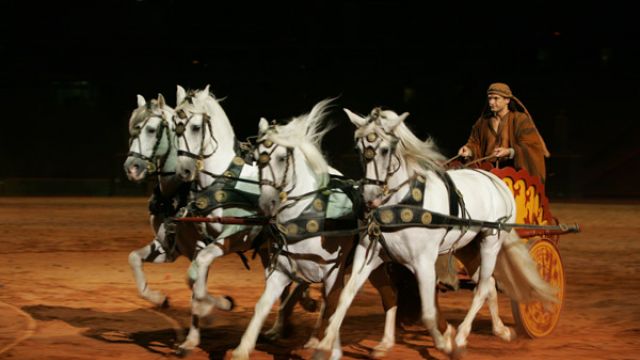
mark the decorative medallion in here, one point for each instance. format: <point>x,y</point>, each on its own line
<point>406,215</point>
<point>369,153</point>
<point>263,159</point>
<point>151,167</point>
<point>327,192</point>
<point>202,202</point>
<point>416,194</point>
<point>199,164</point>
<point>228,174</point>
<point>182,114</point>
<point>180,129</point>
<point>371,137</point>
<point>318,204</point>
<point>426,218</point>
<point>312,226</point>
<point>386,216</point>
<point>292,229</point>
<point>238,161</point>
<point>267,143</point>
<point>422,179</point>
<point>220,196</point>
<point>283,196</point>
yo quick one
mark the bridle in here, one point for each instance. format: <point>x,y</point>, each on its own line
<point>264,162</point>
<point>369,153</point>
<point>180,128</point>
<point>150,160</point>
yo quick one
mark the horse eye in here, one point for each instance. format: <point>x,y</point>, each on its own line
<point>384,151</point>
<point>195,128</point>
<point>281,158</point>
<point>151,130</point>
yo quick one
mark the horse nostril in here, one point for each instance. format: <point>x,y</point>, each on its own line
<point>135,166</point>
<point>187,172</point>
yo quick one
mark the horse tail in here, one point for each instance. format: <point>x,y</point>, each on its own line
<point>517,273</point>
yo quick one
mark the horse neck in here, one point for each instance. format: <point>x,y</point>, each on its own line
<point>217,163</point>
<point>306,181</point>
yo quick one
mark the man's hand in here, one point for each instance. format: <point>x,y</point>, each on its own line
<point>501,152</point>
<point>464,152</point>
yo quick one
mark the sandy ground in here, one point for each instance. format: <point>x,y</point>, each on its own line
<point>66,292</point>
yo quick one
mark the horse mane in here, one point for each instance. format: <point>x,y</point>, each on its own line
<point>306,132</point>
<point>142,113</point>
<point>420,156</point>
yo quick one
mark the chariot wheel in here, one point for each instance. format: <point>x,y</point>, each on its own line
<point>534,319</point>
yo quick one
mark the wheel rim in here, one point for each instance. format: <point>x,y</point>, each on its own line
<point>535,319</point>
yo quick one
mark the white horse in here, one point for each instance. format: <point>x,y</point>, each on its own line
<point>295,190</point>
<point>151,152</point>
<point>393,157</point>
<point>209,154</point>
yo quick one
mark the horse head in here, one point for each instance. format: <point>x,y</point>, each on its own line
<point>202,129</point>
<point>289,157</point>
<point>376,143</point>
<point>149,138</point>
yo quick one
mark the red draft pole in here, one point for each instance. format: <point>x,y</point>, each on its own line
<point>226,220</point>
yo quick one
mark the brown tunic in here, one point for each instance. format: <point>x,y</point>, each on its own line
<point>517,131</point>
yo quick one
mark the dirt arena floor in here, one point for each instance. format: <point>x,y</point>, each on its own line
<point>66,292</point>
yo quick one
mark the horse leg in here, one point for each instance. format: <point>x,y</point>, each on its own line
<point>500,330</point>
<point>489,248</point>
<point>380,280</point>
<point>275,284</point>
<point>288,300</point>
<point>156,253</point>
<point>426,276</point>
<point>201,302</point>
<point>470,258</point>
<point>360,273</point>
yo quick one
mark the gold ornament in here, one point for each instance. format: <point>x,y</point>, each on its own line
<point>406,215</point>
<point>199,165</point>
<point>292,229</point>
<point>416,194</point>
<point>220,196</point>
<point>238,161</point>
<point>386,216</point>
<point>151,167</point>
<point>202,202</point>
<point>283,196</point>
<point>426,218</point>
<point>318,204</point>
<point>267,143</point>
<point>371,137</point>
<point>312,226</point>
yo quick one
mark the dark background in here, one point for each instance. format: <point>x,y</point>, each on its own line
<point>70,72</point>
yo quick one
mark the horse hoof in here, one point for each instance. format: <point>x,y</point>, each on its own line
<point>232,303</point>
<point>312,343</point>
<point>165,304</point>
<point>458,353</point>
<point>182,352</point>
<point>378,353</point>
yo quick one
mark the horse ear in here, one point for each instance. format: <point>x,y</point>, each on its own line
<point>180,95</point>
<point>161,101</point>
<point>263,125</point>
<point>204,93</point>
<point>357,120</point>
<point>141,101</point>
<point>392,123</point>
